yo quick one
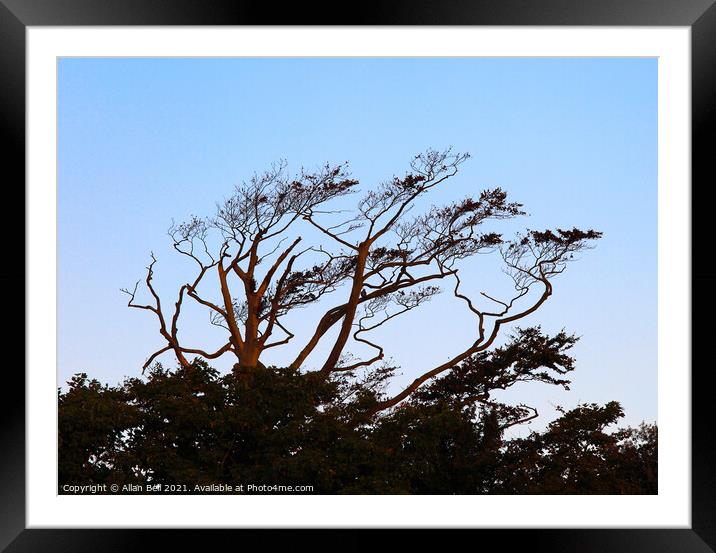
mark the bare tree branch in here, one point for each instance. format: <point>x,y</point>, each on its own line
<point>384,261</point>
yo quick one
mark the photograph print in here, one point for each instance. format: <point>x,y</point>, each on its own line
<point>357,276</point>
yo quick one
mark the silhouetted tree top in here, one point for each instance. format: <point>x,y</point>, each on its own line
<point>346,427</point>
<point>373,265</point>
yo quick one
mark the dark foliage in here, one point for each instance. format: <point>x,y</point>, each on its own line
<point>281,426</point>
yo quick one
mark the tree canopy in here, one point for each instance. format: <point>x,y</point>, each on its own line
<point>283,427</point>
<point>346,426</point>
<point>374,264</point>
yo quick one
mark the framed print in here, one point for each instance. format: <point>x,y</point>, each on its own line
<point>422,268</point>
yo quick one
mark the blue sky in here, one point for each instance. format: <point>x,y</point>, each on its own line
<point>142,141</point>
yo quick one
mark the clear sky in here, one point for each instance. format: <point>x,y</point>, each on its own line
<point>142,141</point>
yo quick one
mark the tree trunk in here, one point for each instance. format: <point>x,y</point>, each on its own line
<point>351,308</point>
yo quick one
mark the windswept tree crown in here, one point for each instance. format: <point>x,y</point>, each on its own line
<point>381,260</point>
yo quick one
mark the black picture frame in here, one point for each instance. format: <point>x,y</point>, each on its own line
<point>699,15</point>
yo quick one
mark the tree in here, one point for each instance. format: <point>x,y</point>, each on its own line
<point>339,428</point>
<point>92,419</point>
<point>577,455</point>
<point>380,260</point>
